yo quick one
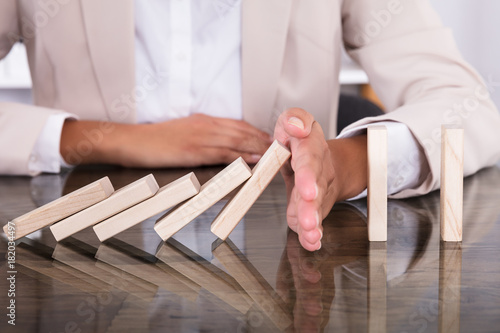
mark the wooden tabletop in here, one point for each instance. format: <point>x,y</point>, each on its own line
<point>260,280</point>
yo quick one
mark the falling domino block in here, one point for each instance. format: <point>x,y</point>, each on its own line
<point>59,209</point>
<point>120,200</point>
<point>262,174</point>
<point>167,197</point>
<point>377,183</point>
<point>452,182</point>
<point>210,193</point>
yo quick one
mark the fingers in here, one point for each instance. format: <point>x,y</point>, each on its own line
<point>308,160</point>
<point>293,123</point>
<point>237,141</point>
<point>216,155</point>
<point>243,126</point>
<point>233,134</point>
<point>310,154</point>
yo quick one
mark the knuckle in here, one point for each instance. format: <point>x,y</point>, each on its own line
<point>225,155</point>
<point>237,141</point>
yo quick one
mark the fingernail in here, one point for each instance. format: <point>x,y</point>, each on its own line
<point>319,248</point>
<point>317,191</point>
<point>256,157</point>
<point>321,232</point>
<point>317,220</point>
<point>296,122</point>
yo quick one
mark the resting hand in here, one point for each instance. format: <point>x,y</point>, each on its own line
<point>186,142</point>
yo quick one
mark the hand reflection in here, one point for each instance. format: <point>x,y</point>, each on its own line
<point>305,282</point>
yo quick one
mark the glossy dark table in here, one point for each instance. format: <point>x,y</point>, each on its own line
<point>260,280</point>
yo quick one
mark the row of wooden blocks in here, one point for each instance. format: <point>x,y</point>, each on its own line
<point>111,212</point>
<point>451,203</point>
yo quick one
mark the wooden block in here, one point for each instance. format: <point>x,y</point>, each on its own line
<point>61,208</point>
<point>120,200</point>
<point>262,174</point>
<point>167,197</point>
<point>203,273</point>
<point>210,193</point>
<point>377,288</point>
<point>253,283</point>
<point>377,184</point>
<point>450,280</point>
<point>452,182</point>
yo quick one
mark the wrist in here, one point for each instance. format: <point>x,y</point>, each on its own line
<point>85,142</point>
<point>349,156</point>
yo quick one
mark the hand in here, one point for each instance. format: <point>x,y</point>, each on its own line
<point>319,174</point>
<point>192,141</point>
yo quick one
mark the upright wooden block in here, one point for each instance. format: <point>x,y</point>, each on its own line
<point>61,208</point>
<point>211,192</point>
<point>262,174</point>
<point>452,182</point>
<point>377,183</point>
<point>120,200</point>
<point>167,197</point>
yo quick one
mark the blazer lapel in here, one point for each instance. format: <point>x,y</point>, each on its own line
<point>109,25</point>
<point>264,31</point>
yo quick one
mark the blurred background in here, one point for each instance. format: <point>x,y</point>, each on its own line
<point>475,25</point>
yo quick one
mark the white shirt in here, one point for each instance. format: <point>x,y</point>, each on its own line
<point>197,46</point>
<point>192,49</point>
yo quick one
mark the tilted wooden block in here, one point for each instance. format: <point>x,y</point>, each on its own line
<point>120,200</point>
<point>210,193</point>
<point>61,208</point>
<point>262,174</point>
<point>377,183</point>
<point>167,197</point>
<point>452,182</point>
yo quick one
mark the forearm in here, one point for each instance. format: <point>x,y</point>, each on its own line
<point>87,142</point>
<point>349,158</point>
<point>191,141</point>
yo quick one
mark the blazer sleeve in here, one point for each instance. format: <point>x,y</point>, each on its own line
<point>418,73</point>
<point>20,125</point>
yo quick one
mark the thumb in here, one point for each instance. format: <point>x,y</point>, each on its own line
<point>293,123</point>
